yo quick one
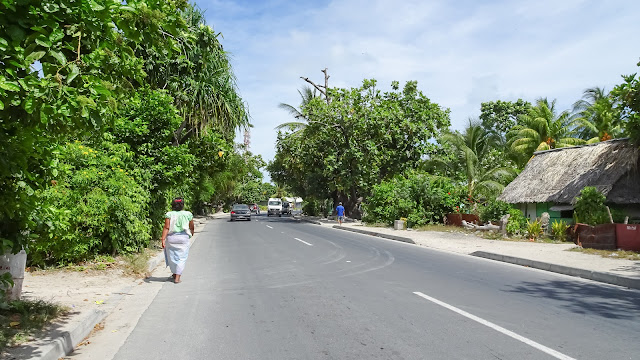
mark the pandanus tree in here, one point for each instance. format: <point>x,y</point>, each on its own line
<point>201,80</point>
<point>596,117</point>
<point>543,128</point>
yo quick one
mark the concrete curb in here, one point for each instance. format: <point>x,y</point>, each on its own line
<point>62,341</point>
<point>566,270</point>
<point>308,220</point>
<point>373,233</point>
<point>69,336</point>
<point>311,221</point>
<point>69,339</point>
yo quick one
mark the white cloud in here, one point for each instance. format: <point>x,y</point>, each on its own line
<point>461,53</point>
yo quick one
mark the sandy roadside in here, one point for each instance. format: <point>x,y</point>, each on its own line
<point>77,290</point>
<point>82,290</point>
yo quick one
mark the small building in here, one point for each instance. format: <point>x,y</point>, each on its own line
<point>553,179</point>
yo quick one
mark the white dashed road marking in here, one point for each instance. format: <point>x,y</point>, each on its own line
<point>556,354</point>
<point>304,242</point>
<point>269,227</point>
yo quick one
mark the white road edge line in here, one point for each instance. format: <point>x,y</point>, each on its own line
<point>556,354</point>
<point>269,227</point>
<point>304,242</point>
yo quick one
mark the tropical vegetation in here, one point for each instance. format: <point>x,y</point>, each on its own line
<point>109,110</point>
<point>392,154</point>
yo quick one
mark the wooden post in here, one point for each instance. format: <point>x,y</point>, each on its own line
<point>610,217</point>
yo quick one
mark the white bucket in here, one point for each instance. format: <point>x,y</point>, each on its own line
<point>14,264</point>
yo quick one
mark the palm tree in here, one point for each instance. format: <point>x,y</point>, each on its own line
<point>470,148</point>
<point>201,80</point>
<point>307,94</point>
<point>596,117</point>
<point>542,129</point>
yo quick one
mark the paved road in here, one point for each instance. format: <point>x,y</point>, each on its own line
<point>275,288</point>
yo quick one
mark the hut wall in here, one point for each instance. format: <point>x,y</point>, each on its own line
<point>528,210</point>
<point>553,215</point>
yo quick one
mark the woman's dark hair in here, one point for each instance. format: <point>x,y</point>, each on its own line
<point>177,204</point>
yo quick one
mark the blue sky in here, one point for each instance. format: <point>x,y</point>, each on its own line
<point>461,52</point>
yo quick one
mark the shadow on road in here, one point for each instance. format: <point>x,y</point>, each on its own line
<point>151,279</point>
<point>586,298</point>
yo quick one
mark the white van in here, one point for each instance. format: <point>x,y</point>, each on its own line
<point>274,207</point>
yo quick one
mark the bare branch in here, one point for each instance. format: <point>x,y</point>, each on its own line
<point>319,87</point>
<point>326,84</point>
<point>323,92</point>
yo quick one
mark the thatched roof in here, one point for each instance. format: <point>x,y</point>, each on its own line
<point>558,175</point>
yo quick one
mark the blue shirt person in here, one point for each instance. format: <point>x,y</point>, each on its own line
<point>340,211</point>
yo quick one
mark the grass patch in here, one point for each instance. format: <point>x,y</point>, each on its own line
<point>21,320</point>
<point>128,264</point>
<point>439,227</point>
<point>379,225</point>
<point>610,254</point>
<point>551,240</point>
<point>494,235</point>
<point>136,264</point>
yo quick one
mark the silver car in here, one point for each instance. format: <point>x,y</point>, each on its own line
<point>240,211</point>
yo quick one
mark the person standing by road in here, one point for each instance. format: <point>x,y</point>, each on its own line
<point>340,211</point>
<point>178,229</point>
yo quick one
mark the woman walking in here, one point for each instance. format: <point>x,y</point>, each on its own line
<point>178,229</point>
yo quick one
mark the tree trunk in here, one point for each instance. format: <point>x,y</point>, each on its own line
<point>350,204</point>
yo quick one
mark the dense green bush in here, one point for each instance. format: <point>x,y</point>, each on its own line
<point>310,208</point>
<point>494,210</point>
<point>420,198</point>
<point>98,204</point>
<point>146,125</point>
<point>590,208</point>
<point>314,207</point>
<point>517,223</point>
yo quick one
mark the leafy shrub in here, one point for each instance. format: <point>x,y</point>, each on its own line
<point>418,197</point>
<point>534,229</point>
<point>146,125</point>
<point>559,230</point>
<point>517,222</point>
<point>590,208</point>
<point>618,215</point>
<point>310,208</point>
<point>494,210</point>
<point>98,205</point>
<point>314,207</point>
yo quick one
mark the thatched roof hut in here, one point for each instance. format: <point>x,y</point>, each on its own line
<point>558,175</point>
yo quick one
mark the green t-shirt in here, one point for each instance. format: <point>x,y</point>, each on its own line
<point>179,221</point>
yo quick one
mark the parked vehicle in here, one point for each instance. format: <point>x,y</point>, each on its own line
<point>240,211</point>
<point>286,208</point>
<point>254,208</point>
<point>274,207</point>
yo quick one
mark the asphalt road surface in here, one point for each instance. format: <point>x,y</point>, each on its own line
<point>276,288</point>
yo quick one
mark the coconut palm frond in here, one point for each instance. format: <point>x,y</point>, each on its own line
<point>293,126</point>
